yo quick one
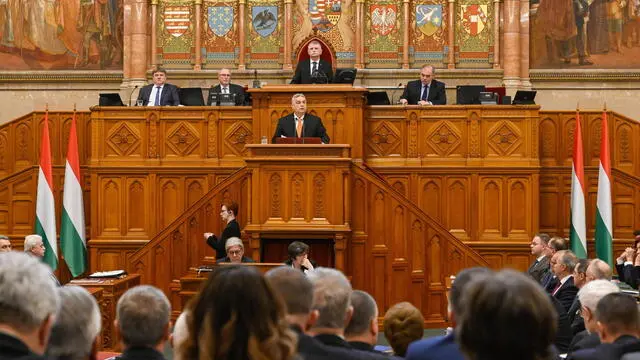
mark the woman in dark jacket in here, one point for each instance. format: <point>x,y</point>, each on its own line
<point>228,213</point>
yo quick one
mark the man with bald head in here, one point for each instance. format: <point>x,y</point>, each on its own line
<point>563,264</point>
<point>585,272</point>
<point>225,86</point>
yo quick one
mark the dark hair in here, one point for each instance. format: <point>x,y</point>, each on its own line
<point>461,281</point>
<point>581,266</point>
<point>544,237</point>
<point>159,69</point>
<point>294,288</point>
<point>403,324</point>
<point>364,309</point>
<point>618,312</point>
<point>231,206</point>
<point>297,248</point>
<point>237,315</point>
<point>492,305</point>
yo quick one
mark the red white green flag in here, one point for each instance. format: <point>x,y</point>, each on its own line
<point>578,235</point>
<point>45,205</point>
<point>604,218</point>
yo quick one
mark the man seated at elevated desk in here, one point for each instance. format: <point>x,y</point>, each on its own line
<point>314,69</point>
<point>299,123</point>
<point>160,93</point>
<point>226,87</point>
<point>426,91</point>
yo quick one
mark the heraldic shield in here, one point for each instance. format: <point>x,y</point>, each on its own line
<point>474,18</point>
<point>177,19</point>
<point>429,18</point>
<point>264,19</point>
<point>383,18</point>
<point>220,19</point>
<point>324,14</point>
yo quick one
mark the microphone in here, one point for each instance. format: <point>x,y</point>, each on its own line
<point>256,83</point>
<point>131,93</point>
<point>393,93</point>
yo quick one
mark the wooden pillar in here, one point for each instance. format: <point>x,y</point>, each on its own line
<point>359,46</point>
<point>407,28</point>
<point>524,44</point>
<point>154,35</point>
<point>452,35</point>
<point>198,43</point>
<point>241,34</point>
<point>511,79</point>
<point>496,34</point>
<point>288,25</point>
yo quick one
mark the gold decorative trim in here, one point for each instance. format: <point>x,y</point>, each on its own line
<point>595,75</point>
<point>60,76</point>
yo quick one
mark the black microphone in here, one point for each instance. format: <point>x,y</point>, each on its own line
<point>256,83</point>
<point>131,93</point>
<point>393,93</point>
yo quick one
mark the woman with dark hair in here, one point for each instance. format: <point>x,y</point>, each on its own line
<point>299,257</point>
<point>237,316</point>
<point>228,213</point>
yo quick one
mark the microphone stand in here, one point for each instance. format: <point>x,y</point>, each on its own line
<point>131,93</point>
<point>393,93</point>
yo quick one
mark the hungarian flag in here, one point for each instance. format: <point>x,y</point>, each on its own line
<point>45,205</point>
<point>604,227</point>
<point>578,234</point>
<point>72,232</point>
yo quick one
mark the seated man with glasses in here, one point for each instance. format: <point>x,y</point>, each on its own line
<point>235,252</point>
<point>426,91</point>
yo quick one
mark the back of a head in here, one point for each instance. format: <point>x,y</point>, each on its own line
<point>619,313</point>
<point>593,291</point>
<point>364,310</point>
<point>506,315</point>
<point>143,316</point>
<point>463,278</point>
<point>30,241</point>
<point>403,324</point>
<point>331,297</point>
<point>237,315</point>
<point>28,296</point>
<point>180,333</point>
<point>557,243</point>
<point>293,287</point>
<point>599,269</point>
<point>77,325</point>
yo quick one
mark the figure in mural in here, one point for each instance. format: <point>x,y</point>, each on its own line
<point>598,28</point>
<point>616,21</point>
<point>581,14</point>
<point>97,24</point>
<point>556,20</point>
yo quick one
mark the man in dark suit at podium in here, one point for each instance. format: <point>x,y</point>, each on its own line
<point>314,69</point>
<point>226,87</point>
<point>160,93</point>
<point>426,91</point>
<point>300,124</point>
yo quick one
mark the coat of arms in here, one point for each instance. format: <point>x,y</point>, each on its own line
<point>383,18</point>
<point>474,18</point>
<point>428,18</point>
<point>177,19</point>
<point>220,19</point>
<point>324,14</point>
<point>264,19</point>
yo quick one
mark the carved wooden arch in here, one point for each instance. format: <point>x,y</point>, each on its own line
<point>328,52</point>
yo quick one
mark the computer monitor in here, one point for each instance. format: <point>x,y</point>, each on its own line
<point>524,97</point>
<point>345,76</point>
<point>468,94</point>
<point>488,98</point>
<point>378,98</point>
<point>110,99</point>
<point>214,99</point>
<point>191,97</point>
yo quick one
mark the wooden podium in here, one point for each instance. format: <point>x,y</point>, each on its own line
<point>340,106</point>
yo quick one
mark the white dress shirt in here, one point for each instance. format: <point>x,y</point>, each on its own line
<point>152,97</point>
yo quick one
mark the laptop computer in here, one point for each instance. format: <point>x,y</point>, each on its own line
<point>524,97</point>
<point>468,94</point>
<point>110,99</point>
<point>191,97</point>
<point>378,98</point>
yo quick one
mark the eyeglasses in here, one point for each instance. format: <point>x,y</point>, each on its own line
<point>235,252</point>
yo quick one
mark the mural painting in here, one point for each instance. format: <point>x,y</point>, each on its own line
<point>219,37</point>
<point>176,36</point>
<point>429,32</point>
<point>60,34</point>
<point>384,44</point>
<point>585,34</point>
<point>474,34</point>
<point>264,40</point>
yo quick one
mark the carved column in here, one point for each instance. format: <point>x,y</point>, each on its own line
<point>359,38</point>
<point>407,28</point>
<point>511,79</point>
<point>288,25</point>
<point>198,55</point>
<point>242,4</point>
<point>452,36</point>
<point>524,44</point>
<point>496,34</point>
<point>154,36</point>
<point>135,42</point>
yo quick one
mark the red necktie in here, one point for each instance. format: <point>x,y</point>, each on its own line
<point>556,288</point>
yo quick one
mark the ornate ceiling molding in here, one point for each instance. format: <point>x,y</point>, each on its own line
<point>60,76</point>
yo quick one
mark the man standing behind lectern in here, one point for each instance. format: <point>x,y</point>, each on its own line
<point>426,91</point>
<point>300,124</point>
<point>314,69</point>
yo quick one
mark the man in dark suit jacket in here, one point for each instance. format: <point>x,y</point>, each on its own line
<point>562,264</point>
<point>300,124</point>
<point>538,249</point>
<point>314,69</point>
<point>160,93</point>
<point>426,91</point>
<point>226,87</point>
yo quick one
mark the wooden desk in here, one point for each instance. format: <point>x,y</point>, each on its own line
<point>111,291</point>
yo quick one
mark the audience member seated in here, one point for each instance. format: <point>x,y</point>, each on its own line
<point>598,270</point>
<point>235,252</point>
<point>579,280</point>
<point>539,245</point>
<point>628,265</point>
<point>562,264</point>
<point>563,334</point>
<point>237,315</point>
<point>617,326</point>
<point>549,280</point>
<point>34,246</point>
<point>403,324</point>
<point>446,347</point>
<point>589,296</point>
<point>29,302</point>
<point>142,322</point>
<point>180,334</point>
<point>362,331</point>
<point>5,244</point>
<point>78,323</point>
<point>299,257</point>
<point>506,316</point>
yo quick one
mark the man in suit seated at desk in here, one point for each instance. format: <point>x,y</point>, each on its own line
<point>160,93</point>
<point>235,252</point>
<point>226,87</point>
<point>299,123</point>
<point>314,69</point>
<point>426,91</point>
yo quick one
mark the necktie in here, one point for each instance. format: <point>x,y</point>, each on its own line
<point>225,90</point>
<point>556,288</point>
<point>315,67</point>
<point>299,128</point>
<point>156,102</point>
<point>425,93</point>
